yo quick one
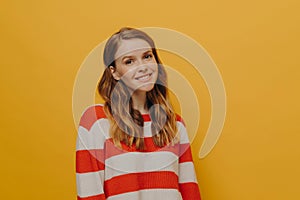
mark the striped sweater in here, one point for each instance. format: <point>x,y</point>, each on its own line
<point>104,171</point>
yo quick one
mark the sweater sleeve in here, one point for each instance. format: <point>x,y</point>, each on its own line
<point>90,158</point>
<point>188,184</point>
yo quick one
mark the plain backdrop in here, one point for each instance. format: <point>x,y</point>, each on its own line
<point>255,45</point>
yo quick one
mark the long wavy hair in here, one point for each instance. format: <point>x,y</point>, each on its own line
<point>126,123</point>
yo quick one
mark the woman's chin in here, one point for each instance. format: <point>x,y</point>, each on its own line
<point>145,87</point>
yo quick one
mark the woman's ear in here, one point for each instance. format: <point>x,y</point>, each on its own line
<point>114,73</point>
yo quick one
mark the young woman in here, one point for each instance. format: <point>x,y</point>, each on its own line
<point>134,146</point>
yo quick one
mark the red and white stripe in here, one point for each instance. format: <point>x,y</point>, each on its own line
<point>105,172</point>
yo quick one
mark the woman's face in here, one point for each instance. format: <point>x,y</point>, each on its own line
<point>135,65</point>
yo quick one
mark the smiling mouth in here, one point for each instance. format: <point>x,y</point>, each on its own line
<point>144,77</point>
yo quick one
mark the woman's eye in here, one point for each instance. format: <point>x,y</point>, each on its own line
<point>128,62</point>
<point>148,56</point>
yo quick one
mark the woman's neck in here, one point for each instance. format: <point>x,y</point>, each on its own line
<point>139,101</point>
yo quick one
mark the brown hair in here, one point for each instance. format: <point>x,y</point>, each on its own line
<point>127,122</point>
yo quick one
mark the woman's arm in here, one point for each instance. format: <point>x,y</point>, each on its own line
<point>90,157</point>
<point>188,184</point>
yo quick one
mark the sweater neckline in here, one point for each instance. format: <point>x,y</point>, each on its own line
<point>146,117</point>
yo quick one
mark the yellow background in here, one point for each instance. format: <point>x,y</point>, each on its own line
<point>255,45</point>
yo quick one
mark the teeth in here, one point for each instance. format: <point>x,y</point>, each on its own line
<point>143,77</point>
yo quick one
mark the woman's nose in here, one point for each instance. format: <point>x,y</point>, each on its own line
<point>143,69</point>
<point>141,62</point>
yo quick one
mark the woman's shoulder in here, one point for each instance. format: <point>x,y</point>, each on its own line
<point>184,138</point>
<point>91,114</point>
<point>179,119</point>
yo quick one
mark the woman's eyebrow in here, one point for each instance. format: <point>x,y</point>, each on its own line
<point>149,51</point>
<point>130,56</point>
